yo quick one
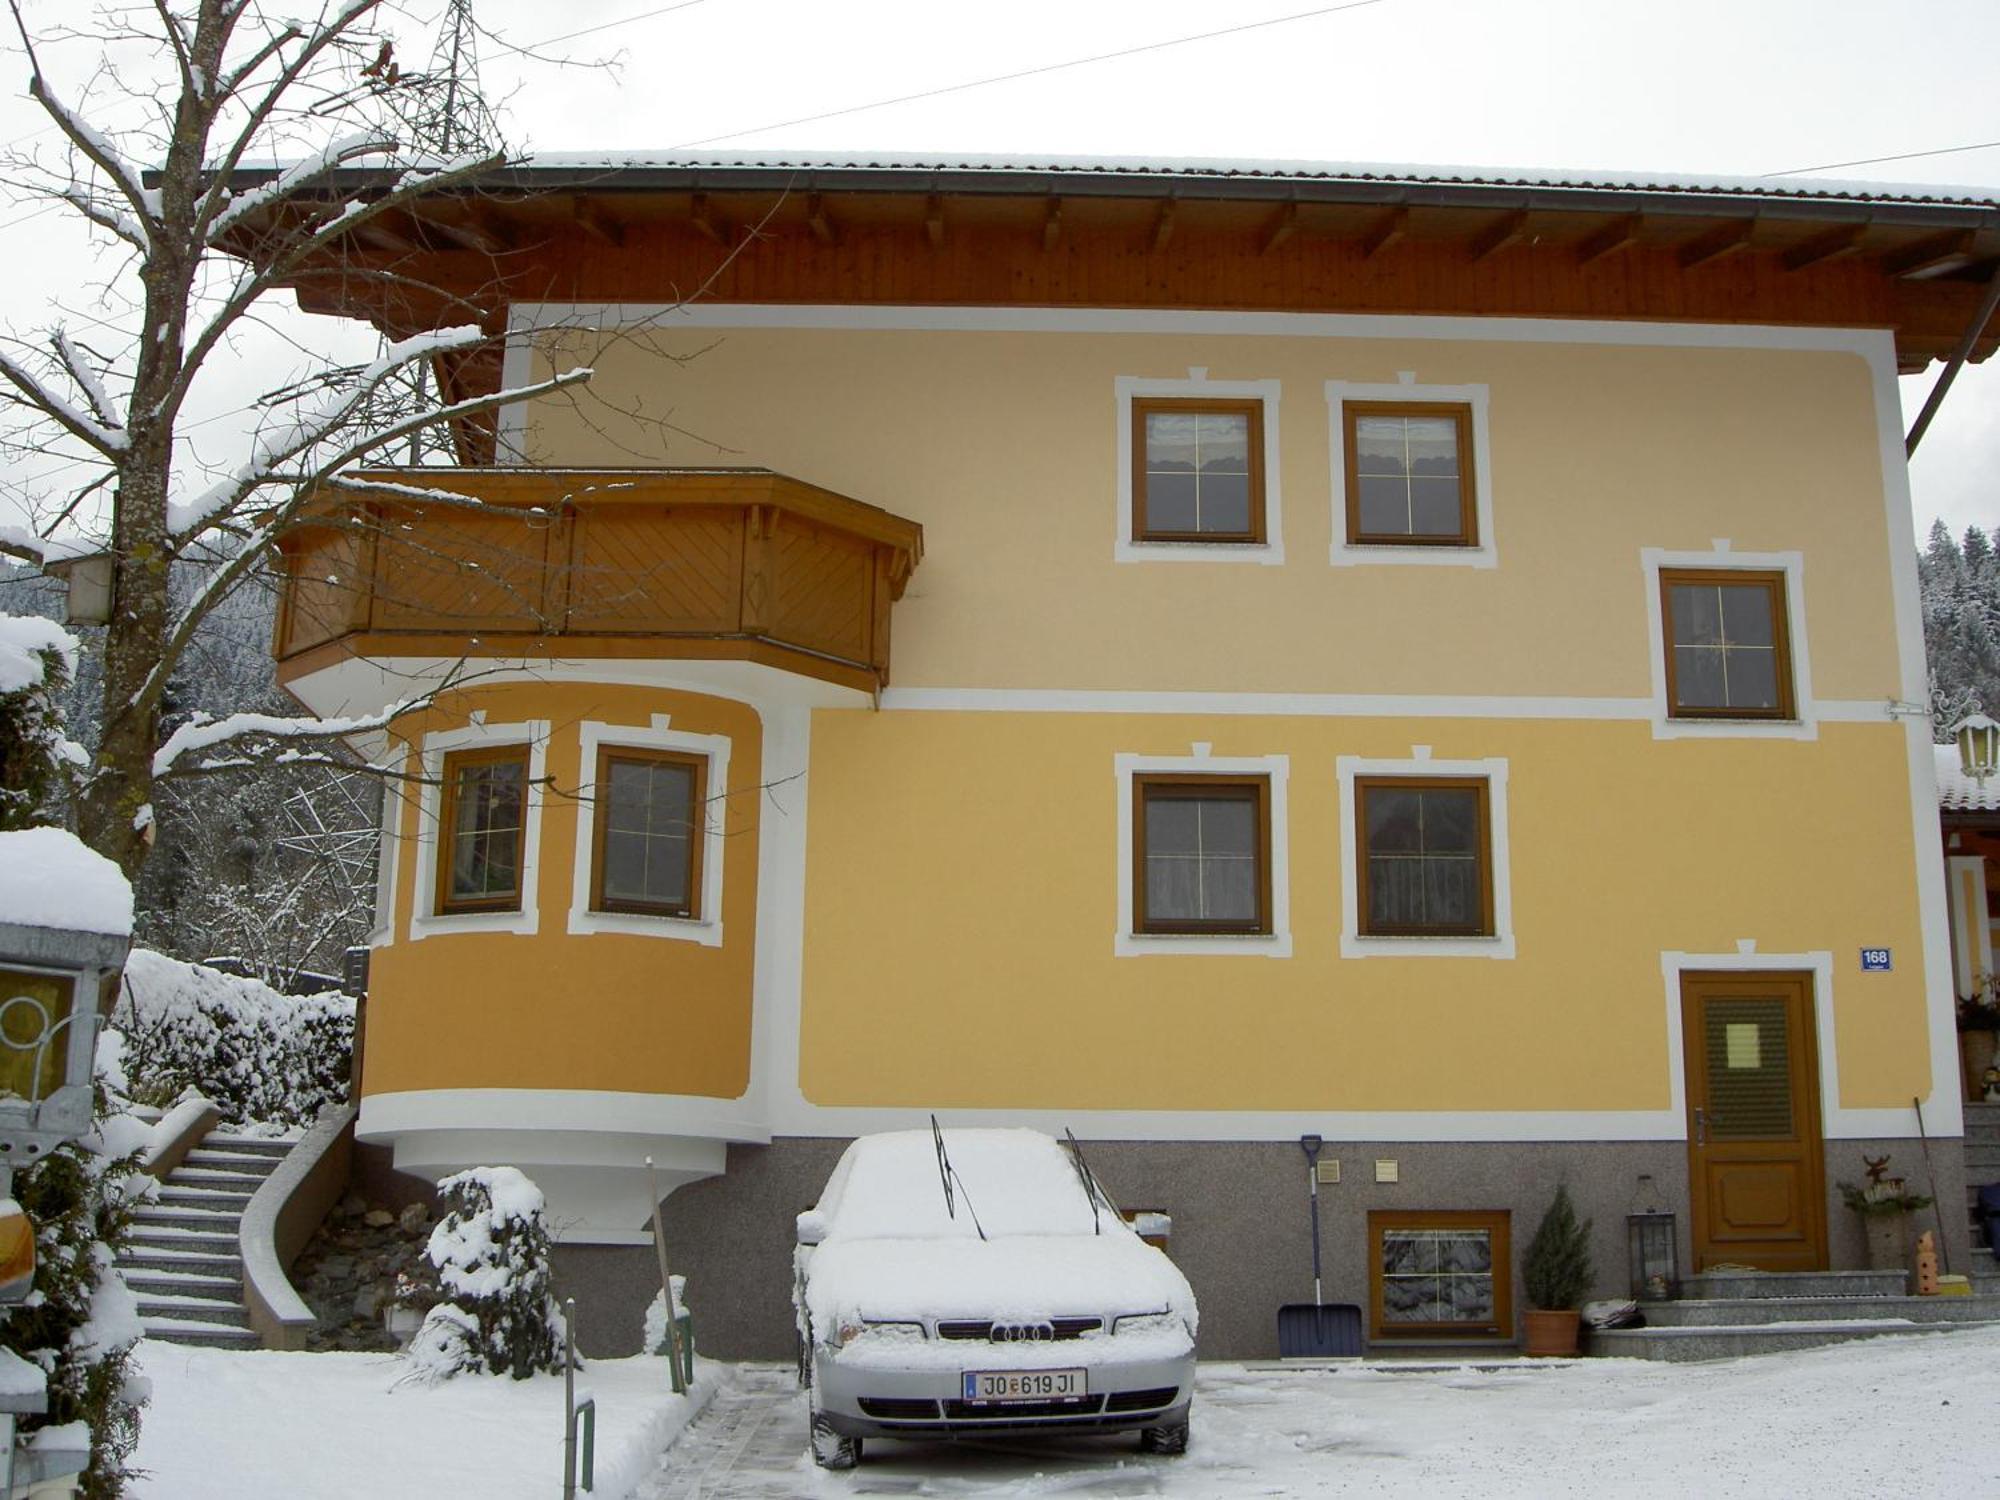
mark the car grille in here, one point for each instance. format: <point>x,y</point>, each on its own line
<point>1003,1332</point>
<point>1014,1411</point>
<point>898,1409</point>
<point>1141,1400</point>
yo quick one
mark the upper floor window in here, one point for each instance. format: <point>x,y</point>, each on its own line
<point>1198,470</point>
<point>1426,865</point>
<point>1409,474</point>
<point>1202,853</point>
<point>483,823</point>
<point>1727,652</point>
<point>649,834</point>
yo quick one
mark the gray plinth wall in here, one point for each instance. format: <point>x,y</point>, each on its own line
<point>1241,1227</point>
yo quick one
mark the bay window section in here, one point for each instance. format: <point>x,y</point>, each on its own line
<point>650,817</point>
<point>483,825</point>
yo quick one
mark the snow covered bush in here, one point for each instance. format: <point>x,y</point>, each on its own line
<point>257,1054</point>
<point>490,1253</point>
<point>36,659</point>
<point>81,1322</point>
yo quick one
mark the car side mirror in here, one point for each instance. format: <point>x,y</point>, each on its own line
<point>812,1227</point>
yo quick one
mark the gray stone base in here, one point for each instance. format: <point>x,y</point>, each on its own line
<point>1242,1230</point>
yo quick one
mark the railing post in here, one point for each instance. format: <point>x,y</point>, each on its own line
<point>569,1398</point>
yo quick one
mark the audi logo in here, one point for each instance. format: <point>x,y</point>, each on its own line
<point>1022,1333</point>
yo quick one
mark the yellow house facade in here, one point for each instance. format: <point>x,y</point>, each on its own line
<point>1479,737</point>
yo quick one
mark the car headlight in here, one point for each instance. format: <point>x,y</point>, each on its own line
<point>847,1333</point>
<point>1152,1322</point>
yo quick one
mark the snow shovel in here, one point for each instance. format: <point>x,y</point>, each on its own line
<point>1318,1329</point>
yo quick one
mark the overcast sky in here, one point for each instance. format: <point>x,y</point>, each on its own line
<point>1726,86</point>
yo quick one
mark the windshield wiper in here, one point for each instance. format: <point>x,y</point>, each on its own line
<point>947,1176</point>
<point>1092,1189</point>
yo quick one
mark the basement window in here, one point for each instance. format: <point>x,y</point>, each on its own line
<point>1440,1274</point>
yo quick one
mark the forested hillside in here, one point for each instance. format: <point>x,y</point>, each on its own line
<point>1960,582</point>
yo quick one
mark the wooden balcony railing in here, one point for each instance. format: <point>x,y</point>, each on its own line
<point>731,563</point>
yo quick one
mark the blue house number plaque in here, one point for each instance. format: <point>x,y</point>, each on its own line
<point>1875,961</point>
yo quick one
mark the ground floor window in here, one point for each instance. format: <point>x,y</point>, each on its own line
<point>1440,1274</point>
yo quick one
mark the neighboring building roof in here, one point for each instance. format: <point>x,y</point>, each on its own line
<point>1958,792</point>
<point>1378,174</point>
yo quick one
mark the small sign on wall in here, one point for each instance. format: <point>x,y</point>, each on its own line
<point>1875,961</point>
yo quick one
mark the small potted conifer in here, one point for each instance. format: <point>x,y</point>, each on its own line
<point>1557,1275</point>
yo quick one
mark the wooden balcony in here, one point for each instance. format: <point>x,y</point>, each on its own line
<point>739,564</point>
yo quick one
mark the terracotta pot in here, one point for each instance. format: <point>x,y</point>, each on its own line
<point>1976,1051</point>
<point>1550,1333</point>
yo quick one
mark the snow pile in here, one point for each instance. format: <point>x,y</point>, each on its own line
<point>490,1254</point>
<point>259,1055</point>
<point>50,878</point>
<point>655,1341</point>
<point>893,1249</point>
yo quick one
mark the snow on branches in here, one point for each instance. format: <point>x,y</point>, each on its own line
<point>490,1256</point>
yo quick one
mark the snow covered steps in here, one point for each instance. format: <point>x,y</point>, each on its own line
<point>1725,1315</point>
<point>182,1259</point>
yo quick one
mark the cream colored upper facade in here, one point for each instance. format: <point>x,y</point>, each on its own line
<point>920,897</point>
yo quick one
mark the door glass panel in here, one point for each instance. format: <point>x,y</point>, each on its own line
<point>1748,1044</point>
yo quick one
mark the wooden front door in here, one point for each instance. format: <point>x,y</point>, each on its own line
<point>1757,1175</point>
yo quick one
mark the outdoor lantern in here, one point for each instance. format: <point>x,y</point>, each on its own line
<point>1978,746</point>
<point>1655,1246</point>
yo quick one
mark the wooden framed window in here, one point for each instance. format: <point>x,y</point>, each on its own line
<point>1425,861</point>
<point>1409,474</point>
<point>1197,470</point>
<point>483,826</point>
<point>1440,1274</point>
<point>650,822</point>
<point>1727,644</point>
<point>1201,853</point>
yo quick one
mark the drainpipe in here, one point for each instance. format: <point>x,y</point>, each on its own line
<point>1972,332</point>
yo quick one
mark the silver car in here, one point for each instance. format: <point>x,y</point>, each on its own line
<point>960,1282</point>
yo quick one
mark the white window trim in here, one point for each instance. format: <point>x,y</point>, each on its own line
<point>1277,943</point>
<point>395,805</point>
<point>1270,551</point>
<point>714,749</point>
<point>1352,942</point>
<point>1346,554</point>
<point>425,919</point>
<point>1805,726</point>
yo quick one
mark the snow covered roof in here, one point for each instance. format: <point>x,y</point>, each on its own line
<point>1275,171</point>
<point>1958,792</point>
<point>51,878</point>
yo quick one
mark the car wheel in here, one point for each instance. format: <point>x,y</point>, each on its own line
<point>832,1451</point>
<point>1172,1439</point>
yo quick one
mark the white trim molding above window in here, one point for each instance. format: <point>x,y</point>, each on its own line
<point>705,926</point>
<point>1271,550</point>
<point>425,919</point>
<point>1483,552</point>
<point>1353,943</point>
<point>1273,771</point>
<point>1720,557</point>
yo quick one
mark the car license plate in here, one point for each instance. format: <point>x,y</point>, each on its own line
<point>1022,1385</point>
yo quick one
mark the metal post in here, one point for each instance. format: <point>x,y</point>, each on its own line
<point>569,1398</point>
<point>666,1286</point>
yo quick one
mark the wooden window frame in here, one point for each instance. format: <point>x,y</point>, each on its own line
<point>454,761</point>
<point>1250,406</point>
<point>1191,784</point>
<point>1460,412</point>
<point>1496,1221</point>
<point>689,910</point>
<point>1483,786</point>
<point>1772,581</point>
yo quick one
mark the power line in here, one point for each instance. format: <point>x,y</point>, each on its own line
<point>1871,161</point>
<point>1075,62</point>
<point>608,25</point>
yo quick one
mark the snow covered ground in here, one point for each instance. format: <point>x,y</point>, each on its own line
<point>1893,1416</point>
<point>226,1425</point>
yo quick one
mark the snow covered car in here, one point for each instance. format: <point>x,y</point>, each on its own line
<point>979,1282</point>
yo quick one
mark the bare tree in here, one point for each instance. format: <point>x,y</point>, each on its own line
<point>160,176</point>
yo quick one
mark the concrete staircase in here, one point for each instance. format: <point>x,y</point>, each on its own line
<point>182,1260</point>
<point>1724,1314</point>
